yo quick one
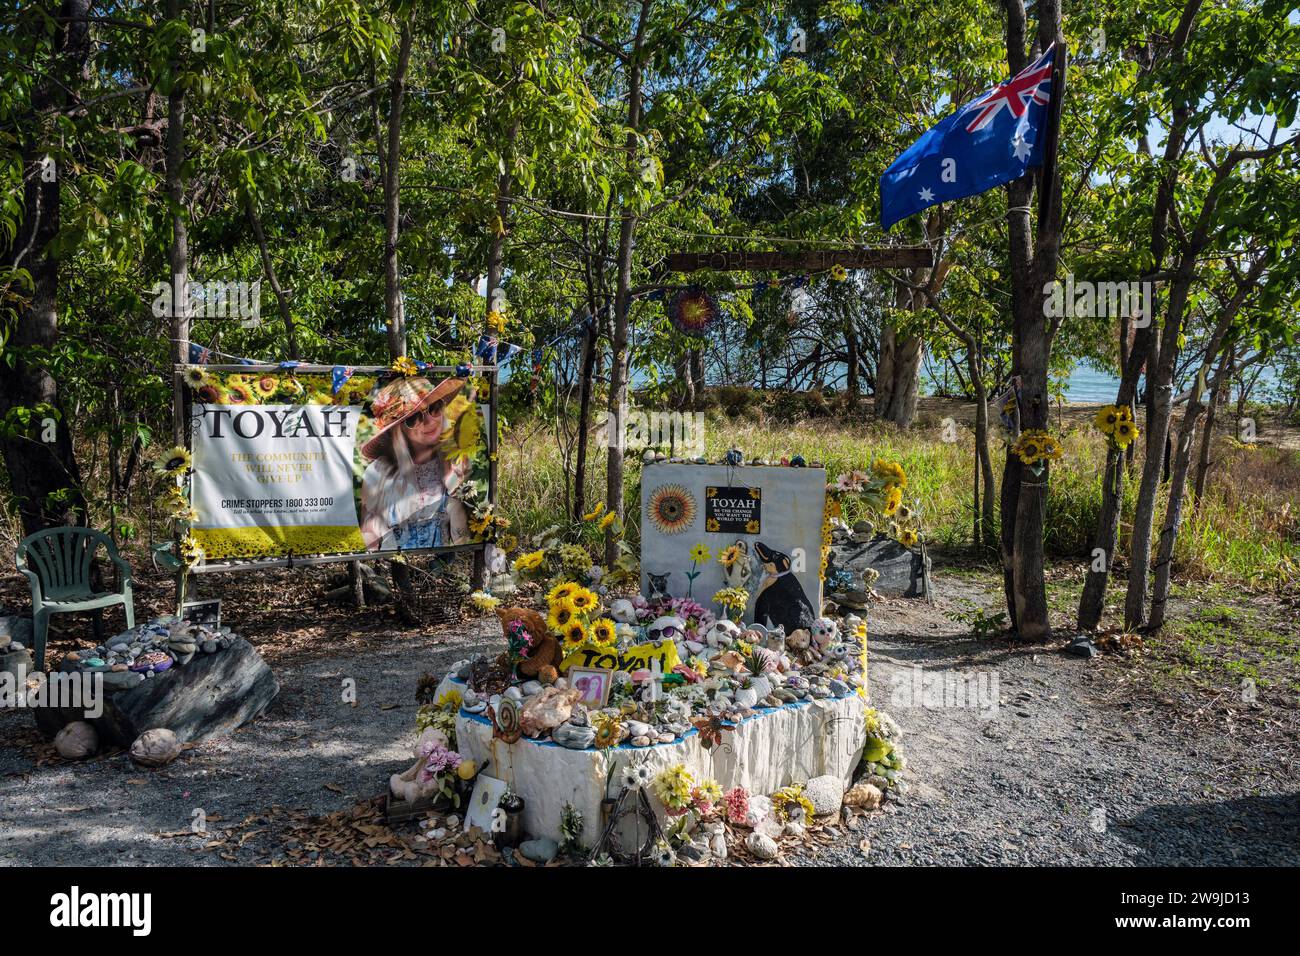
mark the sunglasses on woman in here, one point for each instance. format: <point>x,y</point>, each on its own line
<point>423,415</point>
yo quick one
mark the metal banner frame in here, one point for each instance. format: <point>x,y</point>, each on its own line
<point>181,393</point>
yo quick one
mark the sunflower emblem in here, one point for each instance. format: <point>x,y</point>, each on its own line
<point>672,509</point>
<point>751,526</point>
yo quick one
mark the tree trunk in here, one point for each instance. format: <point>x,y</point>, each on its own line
<point>43,475</point>
<point>394,309</point>
<point>1093,599</point>
<point>590,342</point>
<point>179,254</point>
<point>1160,387</point>
<point>1207,432</point>
<point>898,372</point>
<point>618,372</point>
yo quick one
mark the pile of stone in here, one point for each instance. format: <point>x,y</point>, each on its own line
<point>148,649</point>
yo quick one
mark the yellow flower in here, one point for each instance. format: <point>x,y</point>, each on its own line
<point>529,561</point>
<point>907,538</point>
<point>237,393</point>
<point>496,321</point>
<point>582,600</point>
<point>559,618</point>
<point>464,436</point>
<point>751,526</point>
<point>595,512</point>
<point>483,601</point>
<point>195,377</point>
<point>1108,416</point>
<point>700,554</point>
<point>264,386</point>
<point>575,634</point>
<point>560,593</point>
<point>174,461</point>
<point>893,498</point>
<point>608,520</point>
<point>839,273</point>
<point>1125,432</point>
<point>729,555</point>
<point>608,729</point>
<point>891,471</point>
<point>451,700</point>
<point>603,631</point>
<point>405,366</point>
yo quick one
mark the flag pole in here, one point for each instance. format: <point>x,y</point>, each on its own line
<point>1049,188</point>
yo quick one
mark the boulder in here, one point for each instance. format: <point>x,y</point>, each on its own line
<point>77,741</point>
<point>825,793</point>
<point>864,796</point>
<point>761,846</point>
<point>156,747</point>
<point>903,573</point>
<point>210,696</point>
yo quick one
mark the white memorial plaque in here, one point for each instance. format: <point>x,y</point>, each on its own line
<point>774,512</point>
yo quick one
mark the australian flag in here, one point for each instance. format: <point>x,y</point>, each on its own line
<point>991,140</point>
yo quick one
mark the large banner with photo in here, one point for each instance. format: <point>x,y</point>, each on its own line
<point>292,463</point>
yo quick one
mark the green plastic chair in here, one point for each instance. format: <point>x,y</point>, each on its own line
<point>57,562</point>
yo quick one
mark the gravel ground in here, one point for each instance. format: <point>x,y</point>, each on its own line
<point>1061,770</point>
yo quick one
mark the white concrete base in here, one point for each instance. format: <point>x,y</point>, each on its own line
<point>775,748</point>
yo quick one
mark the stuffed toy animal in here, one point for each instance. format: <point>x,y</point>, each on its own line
<point>544,656</point>
<point>408,785</point>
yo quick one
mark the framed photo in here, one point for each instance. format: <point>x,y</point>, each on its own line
<point>203,612</point>
<point>488,792</point>
<point>593,683</point>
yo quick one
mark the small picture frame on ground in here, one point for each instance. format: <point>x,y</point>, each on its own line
<point>593,683</point>
<point>202,612</point>
<point>488,792</point>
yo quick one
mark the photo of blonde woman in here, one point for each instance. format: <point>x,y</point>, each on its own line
<point>408,487</point>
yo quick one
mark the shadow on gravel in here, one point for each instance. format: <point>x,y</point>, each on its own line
<point>1250,831</point>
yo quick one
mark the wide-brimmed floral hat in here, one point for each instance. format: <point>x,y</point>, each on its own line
<point>399,400</point>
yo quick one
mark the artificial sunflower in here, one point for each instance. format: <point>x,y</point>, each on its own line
<point>483,601</point>
<point>195,377</point>
<point>496,321</point>
<point>575,634</point>
<point>175,461</point>
<point>908,538</point>
<point>1108,416</point>
<point>1125,432</point>
<point>608,730</point>
<point>559,618</point>
<point>530,561</point>
<point>608,520</point>
<point>893,499</point>
<point>583,601</point>
<point>595,512</point>
<point>839,273</point>
<point>603,631</point>
<point>560,593</point>
<point>404,365</point>
<point>891,472</point>
<point>729,555</point>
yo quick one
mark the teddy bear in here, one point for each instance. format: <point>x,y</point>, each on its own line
<point>544,654</point>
